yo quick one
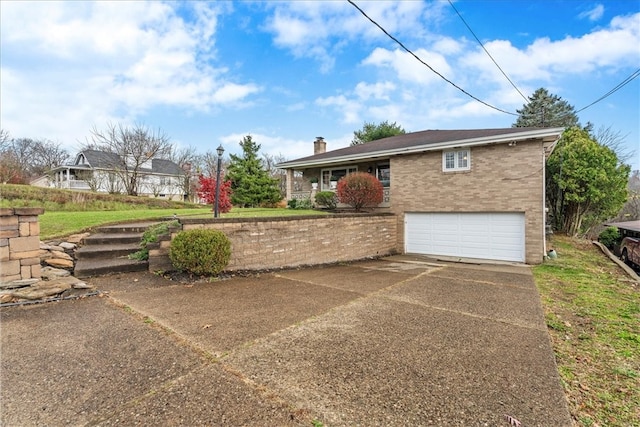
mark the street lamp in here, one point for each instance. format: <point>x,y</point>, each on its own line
<point>220,151</point>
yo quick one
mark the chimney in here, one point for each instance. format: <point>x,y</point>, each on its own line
<point>319,145</point>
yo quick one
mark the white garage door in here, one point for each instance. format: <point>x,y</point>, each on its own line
<point>496,236</point>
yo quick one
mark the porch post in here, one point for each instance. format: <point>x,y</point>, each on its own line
<point>289,184</point>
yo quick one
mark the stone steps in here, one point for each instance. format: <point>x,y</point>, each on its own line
<point>107,251</point>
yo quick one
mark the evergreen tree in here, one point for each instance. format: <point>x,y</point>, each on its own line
<point>250,182</point>
<point>372,132</point>
<point>586,183</point>
<point>546,110</point>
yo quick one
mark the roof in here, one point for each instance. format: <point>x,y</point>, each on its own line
<point>96,159</point>
<point>626,225</point>
<point>428,140</point>
<point>99,159</point>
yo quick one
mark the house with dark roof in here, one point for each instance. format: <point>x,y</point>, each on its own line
<point>101,171</point>
<point>456,194</point>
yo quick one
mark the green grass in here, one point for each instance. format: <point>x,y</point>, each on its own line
<point>69,212</point>
<point>592,309</point>
<point>59,224</point>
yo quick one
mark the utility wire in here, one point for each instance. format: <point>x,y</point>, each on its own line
<point>619,86</point>
<point>487,52</point>
<point>427,65</point>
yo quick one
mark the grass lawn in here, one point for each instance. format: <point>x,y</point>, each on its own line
<point>63,223</point>
<point>592,310</point>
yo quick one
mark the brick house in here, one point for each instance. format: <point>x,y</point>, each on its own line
<point>455,193</point>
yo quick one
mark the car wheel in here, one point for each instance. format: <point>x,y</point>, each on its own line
<point>625,257</point>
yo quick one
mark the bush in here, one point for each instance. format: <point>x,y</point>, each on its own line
<point>609,237</point>
<point>327,199</point>
<point>201,252</point>
<point>299,203</point>
<point>151,235</point>
<point>360,190</point>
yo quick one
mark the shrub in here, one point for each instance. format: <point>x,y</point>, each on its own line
<point>207,192</point>
<point>201,252</point>
<point>299,203</point>
<point>609,237</point>
<point>360,190</point>
<point>151,235</point>
<point>304,203</point>
<point>327,199</point>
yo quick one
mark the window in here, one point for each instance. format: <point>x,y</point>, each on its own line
<point>459,160</point>
<point>337,173</point>
<point>384,175</point>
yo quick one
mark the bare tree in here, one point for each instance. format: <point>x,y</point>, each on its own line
<point>134,146</point>
<point>93,180</point>
<point>5,137</point>
<point>270,161</point>
<point>188,159</point>
<point>46,156</point>
<point>614,140</point>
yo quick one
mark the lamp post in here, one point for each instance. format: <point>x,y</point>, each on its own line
<point>220,151</point>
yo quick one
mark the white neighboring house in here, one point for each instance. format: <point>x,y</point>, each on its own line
<point>97,171</point>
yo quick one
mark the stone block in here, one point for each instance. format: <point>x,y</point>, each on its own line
<point>4,253</point>
<point>6,212</point>
<point>25,271</point>
<point>5,279</point>
<point>24,229</point>
<point>24,254</point>
<point>8,222</point>
<point>34,228</point>
<point>28,211</point>
<point>4,242</point>
<point>30,261</point>
<point>10,268</point>
<point>28,219</point>
<point>22,244</point>
<point>36,270</point>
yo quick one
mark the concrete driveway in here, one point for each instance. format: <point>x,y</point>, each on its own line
<point>392,342</point>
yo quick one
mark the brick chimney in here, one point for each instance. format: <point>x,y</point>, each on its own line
<point>319,145</point>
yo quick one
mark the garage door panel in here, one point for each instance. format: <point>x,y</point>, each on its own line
<point>498,236</point>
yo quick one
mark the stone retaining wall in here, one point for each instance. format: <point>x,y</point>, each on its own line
<point>268,243</point>
<point>19,244</point>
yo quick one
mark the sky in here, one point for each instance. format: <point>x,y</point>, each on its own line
<point>209,73</point>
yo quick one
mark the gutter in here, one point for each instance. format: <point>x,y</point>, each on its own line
<point>487,140</point>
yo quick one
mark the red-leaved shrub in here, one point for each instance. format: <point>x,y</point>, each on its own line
<point>360,190</point>
<point>207,192</point>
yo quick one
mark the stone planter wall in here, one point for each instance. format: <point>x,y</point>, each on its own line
<point>271,243</point>
<point>19,244</point>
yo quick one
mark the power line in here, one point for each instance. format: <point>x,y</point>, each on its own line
<point>427,65</point>
<point>619,86</point>
<point>487,52</point>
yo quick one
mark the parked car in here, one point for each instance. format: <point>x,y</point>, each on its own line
<point>630,251</point>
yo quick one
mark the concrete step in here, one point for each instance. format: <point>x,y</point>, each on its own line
<point>97,267</point>
<point>135,227</point>
<point>112,238</point>
<point>104,251</point>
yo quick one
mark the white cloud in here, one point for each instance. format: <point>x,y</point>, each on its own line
<point>593,14</point>
<point>320,30</point>
<point>408,68</point>
<point>85,62</point>
<point>613,47</point>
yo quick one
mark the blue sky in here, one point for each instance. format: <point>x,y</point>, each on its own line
<point>208,73</point>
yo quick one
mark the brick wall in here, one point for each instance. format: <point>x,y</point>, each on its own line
<point>266,243</point>
<point>19,243</point>
<point>501,179</point>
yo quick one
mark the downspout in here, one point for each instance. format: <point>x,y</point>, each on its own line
<point>544,204</point>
